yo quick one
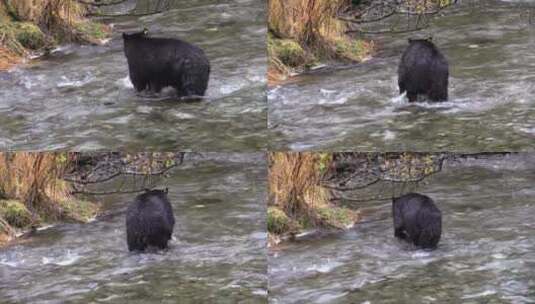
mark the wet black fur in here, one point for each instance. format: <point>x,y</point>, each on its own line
<point>417,220</point>
<point>423,70</point>
<point>149,221</point>
<point>155,63</point>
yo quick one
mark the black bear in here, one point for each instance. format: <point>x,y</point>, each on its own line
<point>417,220</point>
<point>149,221</point>
<point>155,63</point>
<point>423,70</point>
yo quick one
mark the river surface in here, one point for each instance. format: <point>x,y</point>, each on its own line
<point>217,254</point>
<point>491,106</point>
<point>486,253</point>
<point>80,97</point>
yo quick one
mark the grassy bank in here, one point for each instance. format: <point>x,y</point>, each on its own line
<point>28,26</point>
<point>303,33</point>
<point>32,193</point>
<point>296,200</point>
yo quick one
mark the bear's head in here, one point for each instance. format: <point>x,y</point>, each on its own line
<point>144,33</point>
<point>159,192</point>
<point>429,39</point>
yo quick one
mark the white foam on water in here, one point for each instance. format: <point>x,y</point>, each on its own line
<point>301,146</point>
<point>389,135</point>
<point>258,235</point>
<point>11,263</point>
<point>30,82</point>
<point>400,99</point>
<point>527,130</point>
<point>324,268</point>
<point>66,260</point>
<point>125,82</point>
<point>109,298</point>
<point>227,89</point>
<point>260,292</point>
<point>329,298</point>
<point>421,254</point>
<point>479,294</point>
<point>66,82</point>
<point>327,92</point>
<point>144,109</point>
<point>337,101</point>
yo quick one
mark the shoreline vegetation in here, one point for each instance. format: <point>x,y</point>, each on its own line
<point>40,189</point>
<point>33,193</point>
<point>302,34</point>
<point>31,27</point>
<point>311,193</point>
<point>297,202</point>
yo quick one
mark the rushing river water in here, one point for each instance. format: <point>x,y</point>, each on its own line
<point>218,251</point>
<point>80,97</point>
<point>491,106</point>
<point>486,254</point>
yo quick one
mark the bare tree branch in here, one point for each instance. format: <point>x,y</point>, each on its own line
<point>99,4</point>
<point>381,10</point>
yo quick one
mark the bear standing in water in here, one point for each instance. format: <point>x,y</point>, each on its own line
<point>417,220</point>
<point>149,221</point>
<point>423,70</point>
<point>155,63</point>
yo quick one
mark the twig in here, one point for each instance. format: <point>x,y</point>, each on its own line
<point>99,4</point>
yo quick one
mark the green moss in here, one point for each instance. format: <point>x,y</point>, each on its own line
<point>15,213</point>
<point>353,50</point>
<point>78,210</point>
<point>305,223</point>
<point>277,221</point>
<point>288,51</point>
<point>336,216</point>
<point>29,35</point>
<point>92,31</point>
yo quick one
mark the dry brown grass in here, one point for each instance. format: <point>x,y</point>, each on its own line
<point>314,26</point>
<point>294,183</point>
<point>34,179</point>
<point>40,24</point>
<point>32,192</point>
<point>311,22</point>
<point>55,16</point>
<point>8,59</point>
<point>294,188</point>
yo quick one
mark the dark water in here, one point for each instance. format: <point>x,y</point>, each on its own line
<point>491,106</point>
<point>217,255</point>
<point>486,254</point>
<point>81,98</point>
